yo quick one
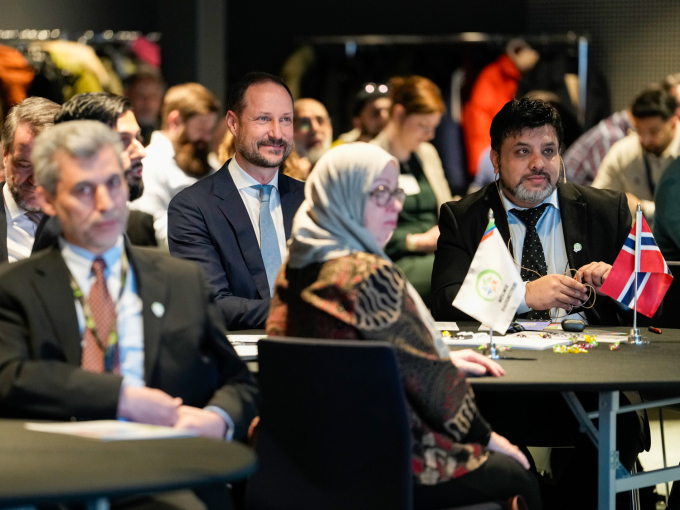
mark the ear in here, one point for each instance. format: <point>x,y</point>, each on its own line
<point>232,122</point>
<point>45,201</point>
<point>398,113</point>
<point>495,161</point>
<point>174,120</point>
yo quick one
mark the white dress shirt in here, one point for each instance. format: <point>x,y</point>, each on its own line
<point>549,230</point>
<point>251,199</point>
<point>20,229</point>
<point>163,179</point>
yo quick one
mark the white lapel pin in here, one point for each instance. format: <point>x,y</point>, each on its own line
<point>158,309</point>
<point>577,247</point>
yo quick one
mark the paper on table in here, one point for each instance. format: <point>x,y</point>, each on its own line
<point>446,326</point>
<point>245,339</point>
<point>525,341</point>
<point>246,351</point>
<point>110,430</point>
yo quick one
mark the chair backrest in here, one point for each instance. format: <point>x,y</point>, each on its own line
<point>334,431</point>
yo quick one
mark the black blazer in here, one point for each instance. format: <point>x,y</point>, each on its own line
<point>209,224</point>
<point>597,219</point>
<point>186,352</point>
<point>140,231</point>
<point>4,253</point>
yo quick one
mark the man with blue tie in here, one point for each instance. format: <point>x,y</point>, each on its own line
<point>235,223</point>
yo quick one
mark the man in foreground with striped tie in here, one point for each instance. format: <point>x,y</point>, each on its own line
<point>93,328</point>
<point>235,223</point>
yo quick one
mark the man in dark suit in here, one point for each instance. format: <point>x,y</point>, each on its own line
<point>116,112</point>
<point>19,211</point>
<point>235,223</point>
<point>93,328</point>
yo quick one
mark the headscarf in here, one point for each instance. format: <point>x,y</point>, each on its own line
<point>330,222</point>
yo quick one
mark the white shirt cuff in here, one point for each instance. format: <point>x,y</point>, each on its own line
<point>523,308</point>
<point>227,419</point>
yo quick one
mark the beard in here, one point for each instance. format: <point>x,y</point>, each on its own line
<point>527,196</point>
<point>135,184</point>
<point>314,154</point>
<point>251,153</point>
<point>18,192</point>
<point>192,157</point>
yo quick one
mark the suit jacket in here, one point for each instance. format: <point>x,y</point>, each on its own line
<point>599,220</point>
<point>186,352</point>
<point>4,253</point>
<point>209,224</point>
<point>140,231</point>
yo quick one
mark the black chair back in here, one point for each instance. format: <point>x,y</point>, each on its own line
<point>334,431</point>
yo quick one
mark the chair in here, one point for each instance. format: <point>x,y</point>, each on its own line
<point>314,392</point>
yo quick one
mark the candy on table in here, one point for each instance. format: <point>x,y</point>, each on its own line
<point>614,347</point>
<point>446,334</point>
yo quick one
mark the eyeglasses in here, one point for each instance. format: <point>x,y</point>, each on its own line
<point>382,195</point>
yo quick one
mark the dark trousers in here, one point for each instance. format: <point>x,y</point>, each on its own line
<point>498,479</point>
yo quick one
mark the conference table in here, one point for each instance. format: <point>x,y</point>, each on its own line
<point>654,367</point>
<point>40,468</point>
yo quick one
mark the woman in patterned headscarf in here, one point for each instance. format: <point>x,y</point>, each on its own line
<point>338,283</point>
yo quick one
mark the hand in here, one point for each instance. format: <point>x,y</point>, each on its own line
<point>427,241</point>
<point>633,202</point>
<point>473,363</point>
<point>148,405</point>
<point>594,274</point>
<point>555,291</point>
<point>206,423</point>
<point>501,445</point>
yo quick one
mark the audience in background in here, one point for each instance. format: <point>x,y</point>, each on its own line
<point>417,108</point>
<point>370,113</point>
<point>313,134</point>
<point>235,223</point>
<point>177,156</point>
<point>671,84</point>
<point>666,227</point>
<point>20,213</point>
<point>584,157</point>
<point>116,112</point>
<point>145,91</point>
<point>495,86</point>
<point>635,164</point>
<point>339,283</point>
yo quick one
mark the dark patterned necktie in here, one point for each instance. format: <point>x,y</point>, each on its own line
<point>533,258</point>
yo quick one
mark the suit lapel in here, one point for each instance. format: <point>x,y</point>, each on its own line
<point>288,202</point>
<point>152,289</point>
<point>234,210</point>
<point>4,255</point>
<point>52,284</point>
<point>574,214</point>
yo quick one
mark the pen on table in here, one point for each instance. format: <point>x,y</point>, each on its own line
<point>654,330</point>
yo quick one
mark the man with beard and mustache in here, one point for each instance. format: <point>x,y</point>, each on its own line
<point>552,227</point>
<point>20,213</point>
<point>116,112</point>
<point>235,223</point>
<point>177,156</point>
<point>635,164</point>
<point>313,132</point>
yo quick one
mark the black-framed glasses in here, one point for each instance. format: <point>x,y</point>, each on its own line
<point>382,195</point>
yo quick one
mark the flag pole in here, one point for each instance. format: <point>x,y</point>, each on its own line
<point>494,354</point>
<point>634,335</point>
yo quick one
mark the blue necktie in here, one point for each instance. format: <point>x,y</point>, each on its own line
<point>269,242</point>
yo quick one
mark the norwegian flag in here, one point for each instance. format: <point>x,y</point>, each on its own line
<point>654,277</point>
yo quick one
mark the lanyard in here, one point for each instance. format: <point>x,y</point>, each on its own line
<point>648,171</point>
<point>107,349</point>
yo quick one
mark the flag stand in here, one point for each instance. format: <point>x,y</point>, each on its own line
<point>494,354</point>
<point>634,337</point>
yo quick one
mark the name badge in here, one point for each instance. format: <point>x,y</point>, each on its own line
<point>409,184</point>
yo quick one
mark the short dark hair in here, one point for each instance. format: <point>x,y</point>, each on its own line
<point>520,114</point>
<point>102,106</point>
<point>238,93</point>
<point>363,97</point>
<point>654,102</point>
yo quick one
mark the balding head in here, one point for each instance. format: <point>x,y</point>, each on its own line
<point>313,130</point>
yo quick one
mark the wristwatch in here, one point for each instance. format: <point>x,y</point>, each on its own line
<point>411,244</point>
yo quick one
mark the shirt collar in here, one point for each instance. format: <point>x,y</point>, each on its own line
<point>79,260</point>
<point>550,199</point>
<point>162,143</point>
<point>15,211</point>
<point>243,180</point>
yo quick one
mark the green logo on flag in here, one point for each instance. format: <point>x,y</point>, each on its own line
<point>489,284</point>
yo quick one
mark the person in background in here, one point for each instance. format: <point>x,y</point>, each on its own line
<point>20,212</point>
<point>116,112</point>
<point>496,85</point>
<point>417,108</point>
<point>339,283</point>
<point>370,113</point>
<point>313,133</point>
<point>236,222</point>
<point>666,227</point>
<point>671,84</point>
<point>177,156</point>
<point>635,164</point>
<point>145,91</point>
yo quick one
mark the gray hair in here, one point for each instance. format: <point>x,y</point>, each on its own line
<point>79,139</point>
<point>37,112</point>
